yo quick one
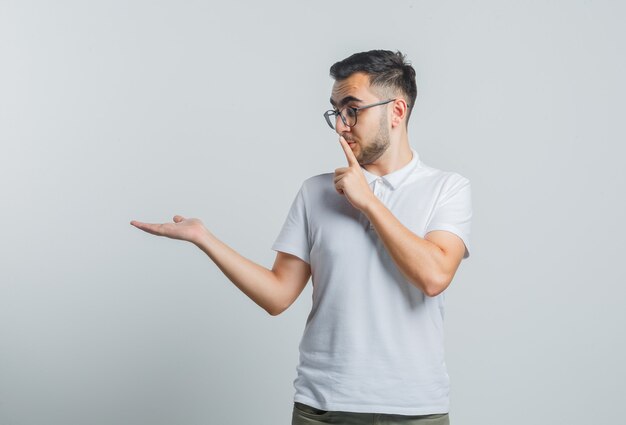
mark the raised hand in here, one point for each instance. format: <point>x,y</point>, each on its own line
<point>186,229</point>
<point>351,182</point>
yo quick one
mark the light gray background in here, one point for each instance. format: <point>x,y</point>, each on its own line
<point>121,110</point>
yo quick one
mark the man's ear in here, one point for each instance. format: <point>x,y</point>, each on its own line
<point>399,112</point>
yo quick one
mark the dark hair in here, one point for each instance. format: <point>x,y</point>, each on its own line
<point>385,69</point>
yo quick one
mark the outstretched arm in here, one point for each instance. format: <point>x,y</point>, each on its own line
<point>273,290</point>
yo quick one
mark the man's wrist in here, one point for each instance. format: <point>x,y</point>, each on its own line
<point>371,206</point>
<point>203,239</point>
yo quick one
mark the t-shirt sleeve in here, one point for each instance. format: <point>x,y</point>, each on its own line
<point>453,211</point>
<point>294,235</point>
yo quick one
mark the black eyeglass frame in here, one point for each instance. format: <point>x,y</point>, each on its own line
<point>336,112</point>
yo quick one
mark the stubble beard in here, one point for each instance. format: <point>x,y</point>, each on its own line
<point>379,145</point>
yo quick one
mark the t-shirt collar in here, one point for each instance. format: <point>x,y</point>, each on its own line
<point>395,178</point>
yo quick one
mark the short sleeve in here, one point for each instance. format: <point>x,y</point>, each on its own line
<point>453,211</point>
<point>294,235</point>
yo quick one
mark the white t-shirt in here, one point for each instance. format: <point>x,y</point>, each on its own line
<point>373,342</point>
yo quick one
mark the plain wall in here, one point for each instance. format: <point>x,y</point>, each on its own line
<point>139,110</point>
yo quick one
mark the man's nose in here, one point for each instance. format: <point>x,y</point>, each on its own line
<point>340,127</point>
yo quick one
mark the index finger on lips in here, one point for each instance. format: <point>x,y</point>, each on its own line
<point>348,151</point>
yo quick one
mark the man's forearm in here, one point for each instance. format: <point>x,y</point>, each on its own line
<point>257,282</point>
<point>417,258</point>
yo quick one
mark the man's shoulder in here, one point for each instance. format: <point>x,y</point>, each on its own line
<point>317,188</point>
<point>319,178</point>
<point>317,181</point>
<point>442,176</point>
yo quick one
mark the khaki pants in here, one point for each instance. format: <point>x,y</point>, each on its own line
<point>307,415</point>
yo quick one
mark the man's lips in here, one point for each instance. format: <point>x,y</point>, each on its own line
<point>350,142</point>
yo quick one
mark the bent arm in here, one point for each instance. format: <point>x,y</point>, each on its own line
<point>273,290</point>
<point>429,263</point>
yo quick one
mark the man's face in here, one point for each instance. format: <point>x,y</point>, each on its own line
<point>369,138</point>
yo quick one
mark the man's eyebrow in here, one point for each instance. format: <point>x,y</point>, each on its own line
<point>345,100</point>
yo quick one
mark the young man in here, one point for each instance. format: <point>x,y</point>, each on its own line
<point>382,239</point>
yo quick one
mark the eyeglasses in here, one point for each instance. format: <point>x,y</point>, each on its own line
<point>348,114</point>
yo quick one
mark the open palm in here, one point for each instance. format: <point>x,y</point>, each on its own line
<point>187,229</point>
